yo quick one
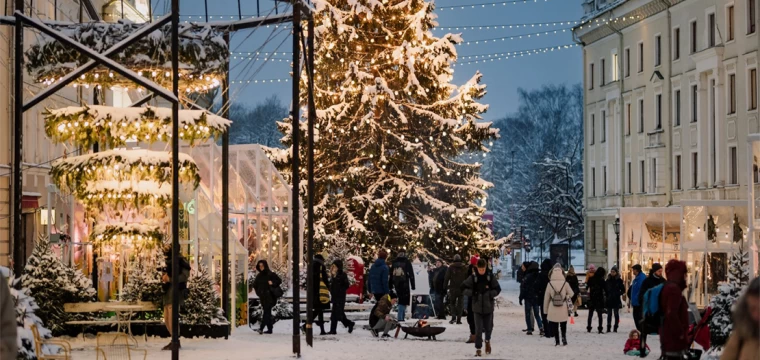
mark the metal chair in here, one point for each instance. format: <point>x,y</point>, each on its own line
<point>117,346</point>
<point>39,342</point>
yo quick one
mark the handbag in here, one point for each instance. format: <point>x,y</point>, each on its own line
<point>276,292</point>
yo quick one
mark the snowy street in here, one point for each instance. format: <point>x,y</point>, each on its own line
<point>508,342</point>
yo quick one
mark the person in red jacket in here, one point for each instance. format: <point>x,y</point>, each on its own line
<point>674,338</point>
<point>633,344</point>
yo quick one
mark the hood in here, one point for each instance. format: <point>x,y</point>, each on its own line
<point>533,266</point>
<point>474,260</point>
<point>556,275</point>
<point>319,259</point>
<point>600,274</point>
<point>676,271</point>
<point>380,262</point>
<point>546,265</point>
<point>338,264</point>
<point>266,265</point>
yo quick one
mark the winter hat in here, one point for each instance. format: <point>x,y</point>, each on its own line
<point>614,268</point>
<point>636,267</point>
<point>457,257</point>
<point>474,260</point>
<point>319,257</point>
<point>382,254</point>
<point>655,267</point>
<point>591,267</point>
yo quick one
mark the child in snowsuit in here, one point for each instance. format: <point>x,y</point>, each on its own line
<point>633,344</point>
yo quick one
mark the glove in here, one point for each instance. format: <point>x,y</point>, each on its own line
<point>520,301</point>
<point>413,288</point>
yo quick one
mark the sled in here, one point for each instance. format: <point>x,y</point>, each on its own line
<point>429,332</point>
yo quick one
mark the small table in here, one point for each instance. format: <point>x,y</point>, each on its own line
<point>124,316</point>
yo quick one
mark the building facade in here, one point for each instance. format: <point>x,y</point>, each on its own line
<point>670,97</point>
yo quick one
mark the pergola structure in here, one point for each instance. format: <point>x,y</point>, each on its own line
<point>21,21</point>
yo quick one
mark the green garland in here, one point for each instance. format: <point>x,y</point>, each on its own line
<point>74,173</point>
<point>97,198</point>
<point>203,55</point>
<point>114,234</point>
<point>113,127</point>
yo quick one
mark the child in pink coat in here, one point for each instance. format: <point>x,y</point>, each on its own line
<point>633,343</point>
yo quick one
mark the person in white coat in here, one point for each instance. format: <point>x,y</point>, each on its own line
<point>558,291</point>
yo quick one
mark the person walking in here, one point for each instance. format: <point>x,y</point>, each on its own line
<point>529,298</point>
<point>543,281</point>
<point>455,276</point>
<point>321,301</point>
<point>482,288</point>
<point>166,278</point>
<point>654,279</point>
<point>438,288</point>
<point>338,287</point>
<point>674,330</point>
<point>615,289</point>
<point>557,292</point>
<point>402,276</point>
<point>379,277</point>
<point>521,272</point>
<point>633,294</point>
<point>8,326</point>
<point>744,342</point>
<point>267,288</point>
<point>572,280</point>
<point>471,270</point>
<point>597,291</point>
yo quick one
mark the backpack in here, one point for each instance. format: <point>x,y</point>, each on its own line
<point>652,316</point>
<point>557,298</point>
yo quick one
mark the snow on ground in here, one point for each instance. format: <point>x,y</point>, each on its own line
<point>508,342</point>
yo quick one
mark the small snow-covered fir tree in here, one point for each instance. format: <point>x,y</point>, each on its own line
<point>389,129</point>
<point>202,304</point>
<point>721,322</point>
<point>144,281</point>
<point>25,307</point>
<point>52,284</point>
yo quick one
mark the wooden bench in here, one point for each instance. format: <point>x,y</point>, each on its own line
<point>94,307</point>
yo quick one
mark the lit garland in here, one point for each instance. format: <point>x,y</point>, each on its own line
<point>85,126</point>
<point>148,233</point>
<point>203,55</point>
<point>498,57</point>
<point>73,173</point>
<point>507,26</point>
<point>137,194</point>
<point>490,4</point>
<point>519,36</point>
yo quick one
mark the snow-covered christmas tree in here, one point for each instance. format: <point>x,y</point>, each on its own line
<point>53,284</point>
<point>144,280</point>
<point>721,323</point>
<point>390,126</point>
<point>25,307</point>
<point>202,303</point>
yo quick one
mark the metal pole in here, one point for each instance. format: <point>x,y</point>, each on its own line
<point>295,229</point>
<point>240,12</point>
<point>205,5</point>
<point>19,241</point>
<point>310,183</point>
<point>175,180</point>
<point>226,196</point>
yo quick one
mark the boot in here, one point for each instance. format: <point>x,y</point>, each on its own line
<point>452,321</point>
<point>488,347</point>
<point>471,340</point>
<point>588,328</point>
<point>478,353</point>
<point>459,320</point>
<point>609,330</point>
<point>614,329</point>
<point>351,327</point>
<point>556,342</point>
<point>600,330</point>
<point>564,340</point>
<point>541,332</point>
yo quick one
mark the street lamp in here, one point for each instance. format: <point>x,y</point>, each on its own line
<point>569,243</point>
<point>616,227</point>
<point>541,240</point>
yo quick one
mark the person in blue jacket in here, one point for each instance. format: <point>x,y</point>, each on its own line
<point>633,293</point>
<point>379,276</point>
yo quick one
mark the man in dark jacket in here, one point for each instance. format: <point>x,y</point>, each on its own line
<point>615,289</point>
<point>482,288</point>
<point>597,291</point>
<point>674,330</point>
<point>455,276</point>
<point>379,316</point>
<point>438,288</point>
<point>379,276</point>
<point>529,298</point>
<point>338,287</point>
<point>402,276</point>
<point>543,281</point>
<point>654,279</point>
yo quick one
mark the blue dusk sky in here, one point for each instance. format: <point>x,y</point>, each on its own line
<point>503,77</point>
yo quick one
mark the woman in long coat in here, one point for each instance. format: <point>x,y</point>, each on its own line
<point>263,284</point>
<point>615,289</point>
<point>557,314</point>
<point>597,292</point>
